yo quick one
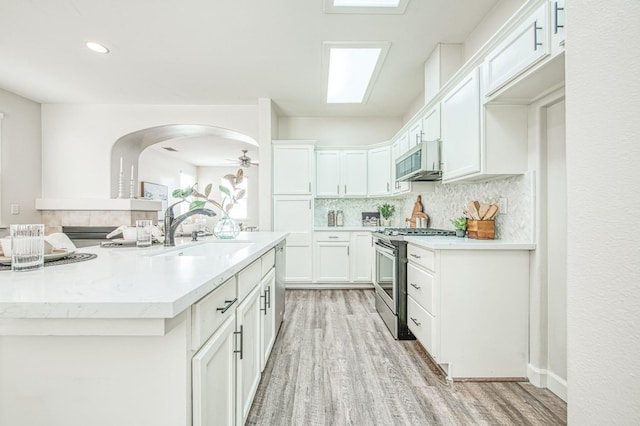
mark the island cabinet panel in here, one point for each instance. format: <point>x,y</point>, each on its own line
<point>249,327</point>
<point>268,286</point>
<point>212,310</point>
<point>214,379</point>
<point>248,278</point>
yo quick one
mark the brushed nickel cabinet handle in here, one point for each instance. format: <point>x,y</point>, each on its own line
<point>240,333</point>
<point>226,307</point>
<point>556,8</point>
<point>417,287</point>
<point>414,321</point>
<point>415,255</point>
<point>535,35</point>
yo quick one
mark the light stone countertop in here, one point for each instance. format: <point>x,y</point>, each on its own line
<point>346,228</point>
<point>457,243</point>
<point>128,282</point>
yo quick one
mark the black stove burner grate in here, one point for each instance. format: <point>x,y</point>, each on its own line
<point>418,231</point>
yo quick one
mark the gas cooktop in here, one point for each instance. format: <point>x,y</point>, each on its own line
<point>416,232</point>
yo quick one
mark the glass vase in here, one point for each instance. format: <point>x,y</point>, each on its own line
<point>226,228</point>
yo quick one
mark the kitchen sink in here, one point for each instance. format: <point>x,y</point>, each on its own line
<point>208,248</point>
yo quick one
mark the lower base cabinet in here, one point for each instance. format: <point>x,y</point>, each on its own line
<point>342,257</point>
<point>214,379</point>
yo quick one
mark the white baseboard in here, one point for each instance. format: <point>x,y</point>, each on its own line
<point>328,286</point>
<point>542,378</point>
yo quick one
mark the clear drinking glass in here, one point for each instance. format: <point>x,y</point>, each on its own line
<point>27,247</point>
<point>143,228</point>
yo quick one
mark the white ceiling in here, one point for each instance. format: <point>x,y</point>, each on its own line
<point>207,151</point>
<point>215,51</point>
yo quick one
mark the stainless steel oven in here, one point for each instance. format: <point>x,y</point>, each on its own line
<point>390,279</point>
<point>390,285</point>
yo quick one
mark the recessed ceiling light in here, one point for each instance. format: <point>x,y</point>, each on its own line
<point>366,3</point>
<point>366,6</point>
<point>352,70</point>
<point>96,47</point>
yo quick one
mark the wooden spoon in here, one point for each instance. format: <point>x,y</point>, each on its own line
<point>473,210</point>
<point>482,211</point>
<point>491,213</point>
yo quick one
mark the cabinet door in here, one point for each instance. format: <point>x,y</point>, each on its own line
<point>332,261</point>
<point>354,173</point>
<point>328,173</point>
<point>248,324</point>
<point>527,45</point>
<point>361,256</point>
<point>295,215</point>
<point>461,128</point>
<point>292,169</point>
<point>214,378</point>
<point>380,171</point>
<point>415,134</point>
<point>557,25</point>
<point>268,296</point>
<point>431,124</point>
<point>403,143</point>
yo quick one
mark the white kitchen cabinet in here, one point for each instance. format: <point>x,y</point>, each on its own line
<point>461,128</point>
<point>523,48</point>
<point>403,143</point>
<point>332,250</point>
<point>341,173</point>
<point>248,368</point>
<point>431,123</point>
<point>397,187</point>
<point>214,378</point>
<point>354,172</point>
<point>415,133</point>
<point>442,64</point>
<point>379,173</point>
<point>557,25</point>
<point>361,256</point>
<point>294,214</point>
<point>268,288</point>
<point>293,168</point>
<point>474,320</point>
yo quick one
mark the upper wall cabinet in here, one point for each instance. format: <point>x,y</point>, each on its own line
<point>493,141</point>
<point>341,173</point>
<point>415,133</point>
<point>380,171</point>
<point>431,124</point>
<point>461,128</point>
<point>293,168</point>
<point>523,48</point>
<point>558,20</point>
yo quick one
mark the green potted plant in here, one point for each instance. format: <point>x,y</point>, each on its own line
<point>386,211</point>
<point>460,223</point>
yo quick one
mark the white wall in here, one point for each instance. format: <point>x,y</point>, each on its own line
<point>603,169</point>
<point>213,175</point>
<point>21,158</point>
<point>77,139</point>
<point>338,131</point>
<point>156,167</point>
<point>497,16</point>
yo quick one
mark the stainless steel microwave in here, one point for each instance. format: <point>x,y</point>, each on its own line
<point>421,163</point>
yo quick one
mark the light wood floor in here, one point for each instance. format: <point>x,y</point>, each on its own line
<point>335,363</point>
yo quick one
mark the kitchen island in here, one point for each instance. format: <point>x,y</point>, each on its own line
<point>133,336</point>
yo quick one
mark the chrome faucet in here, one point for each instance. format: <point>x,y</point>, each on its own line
<point>171,223</point>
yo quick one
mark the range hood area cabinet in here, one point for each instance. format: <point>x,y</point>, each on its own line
<point>341,173</point>
<point>481,142</point>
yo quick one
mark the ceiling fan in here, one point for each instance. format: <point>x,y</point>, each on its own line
<point>245,160</point>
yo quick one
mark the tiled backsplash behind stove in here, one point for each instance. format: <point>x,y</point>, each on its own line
<point>446,202</point>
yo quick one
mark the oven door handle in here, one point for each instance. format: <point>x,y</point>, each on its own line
<point>384,249</point>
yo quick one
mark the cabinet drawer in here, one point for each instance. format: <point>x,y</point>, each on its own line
<point>420,286</point>
<point>207,313</point>
<point>268,261</point>
<point>420,256</point>
<point>332,236</point>
<point>423,326</point>
<point>248,278</point>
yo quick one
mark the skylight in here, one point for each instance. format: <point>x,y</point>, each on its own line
<point>366,3</point>
<point>366,7</point>
<point>352,70</point>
